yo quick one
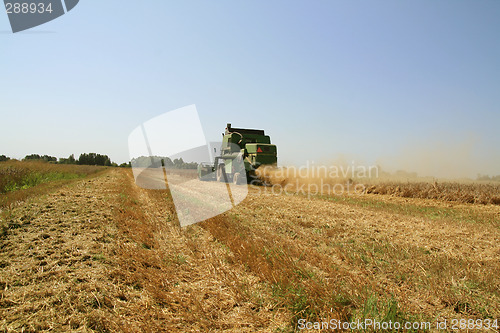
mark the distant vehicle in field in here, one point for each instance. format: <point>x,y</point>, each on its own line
<point>242,152</point>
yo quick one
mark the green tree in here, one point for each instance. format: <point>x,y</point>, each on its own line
<point>45,158</point>
<point>94,159</point>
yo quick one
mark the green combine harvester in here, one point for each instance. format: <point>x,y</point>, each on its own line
<point>242,152</point>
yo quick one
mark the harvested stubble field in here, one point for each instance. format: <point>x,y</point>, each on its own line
<point>479,193</point>
<point>100,254</point>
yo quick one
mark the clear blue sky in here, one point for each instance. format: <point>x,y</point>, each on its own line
<point>407,84</point>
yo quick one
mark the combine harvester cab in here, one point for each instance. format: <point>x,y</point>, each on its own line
<point>242,152</point>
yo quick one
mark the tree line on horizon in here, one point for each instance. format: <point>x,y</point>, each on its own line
<point>487,177</point>
<point>84,159</point>
<point>104,160</point>
<point>159,161</point>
